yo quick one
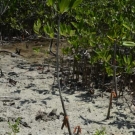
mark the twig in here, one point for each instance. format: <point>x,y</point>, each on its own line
<point>58,80</point>
<point>110,105</point>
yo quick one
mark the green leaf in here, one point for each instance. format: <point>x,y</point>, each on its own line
<point>108,58</point>
<point>129,59</point>
<point>50,2</point>
<point>128,43</point>
<point>72,32</point>
<point>49,30</point>
<point>125,59</point>
<point>126,26</point>
<point>109,71</point>
<point>64,6</point>
<point>36,49</point>
<point>63,29</point>
<point>75,3</point>
<point>37,26</point>
<point>128,70</point>
<point>133,62</point>
<point>74,24</point>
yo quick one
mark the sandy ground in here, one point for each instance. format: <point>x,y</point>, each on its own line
<point>36,94</point>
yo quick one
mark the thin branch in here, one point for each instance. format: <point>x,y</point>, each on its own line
<point>4,10</point>
<point>58,80</point>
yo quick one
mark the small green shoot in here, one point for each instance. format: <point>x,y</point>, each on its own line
<point>100,132</point>
<point>14,127</point>
<point>36,49</point>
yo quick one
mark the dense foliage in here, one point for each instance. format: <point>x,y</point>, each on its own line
<point>96,25</point>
